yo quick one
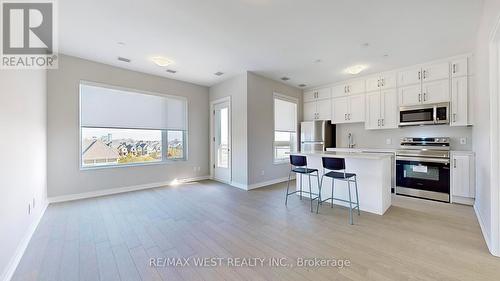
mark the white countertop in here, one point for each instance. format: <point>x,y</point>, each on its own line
<point>346,154</point>
<point>374,150</point>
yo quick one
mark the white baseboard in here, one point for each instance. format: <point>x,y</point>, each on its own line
<point>266,183</point>
<point>21,248</point>
<point>483,230</point>
<point>105,192</point>
<point>255,185</point>
<point>463,200</point>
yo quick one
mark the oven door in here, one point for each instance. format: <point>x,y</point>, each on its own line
<point>409,116</point>
<point>424,178</point>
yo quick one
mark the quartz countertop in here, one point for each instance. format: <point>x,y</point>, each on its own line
<point>346,154</point>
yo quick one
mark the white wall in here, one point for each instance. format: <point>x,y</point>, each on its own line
<point>261,128</point>
<point>64,175</point>
<point>23,129</point>
<point>236,88</point>
<point>377,138</point>
<point>481,131</point>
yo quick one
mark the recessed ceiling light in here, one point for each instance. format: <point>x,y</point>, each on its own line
<point>285,78</point>
<point>121,44</point>
<point>123,59</point>
<point>355,69</point>
<point>171,71</point>
<point>302,85</point>
<point>218,73</point>
<point>161,61</point>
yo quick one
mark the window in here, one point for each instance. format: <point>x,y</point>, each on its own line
<point>123,127</point>
<point>285,127</point>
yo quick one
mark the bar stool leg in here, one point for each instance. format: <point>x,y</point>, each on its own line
<point>310,192</point>
<point>288,188</point>
<point>350,202</point>
<point>300,185</point>
<point>320,184</point>
<point>357,197</point>
<point>333,183</point>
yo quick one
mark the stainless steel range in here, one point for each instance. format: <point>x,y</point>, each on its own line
<point>423,168</point>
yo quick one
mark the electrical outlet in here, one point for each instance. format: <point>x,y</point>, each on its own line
<point>463,140</point>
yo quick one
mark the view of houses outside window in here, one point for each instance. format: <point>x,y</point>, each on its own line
<point>283,145</point>
<point>109,146</point>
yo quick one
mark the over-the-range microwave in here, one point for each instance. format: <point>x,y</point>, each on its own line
<point>430,114</point>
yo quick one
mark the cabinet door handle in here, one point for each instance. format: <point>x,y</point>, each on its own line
<point>455,163</point>
<point>378,83</point>
<point>382,82</point>
<point>454,117</point>
<point>349,116</point>
<point>419,75</point>
<point>419,97</point>
<point>454,68</point>
<point>379,122</point>
<point>425,96</point>
<point>425,74</point>
<point>383,122</point>
<point>345,116</point>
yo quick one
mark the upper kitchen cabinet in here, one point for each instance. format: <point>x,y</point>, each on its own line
<point>381,81</point>
<point>348,88</point>
<point>410,95</point>
<point>436,91</point>
<point>317,104</point>
<point>349,109</point>
<point>459,101</point>
<point>459,67</point>
<point>437,71</point>
<point>318,94</point>
<point>381,110</point>
<point>410,76</point>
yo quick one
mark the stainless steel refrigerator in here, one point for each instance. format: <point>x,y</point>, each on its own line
<point>317,135</point>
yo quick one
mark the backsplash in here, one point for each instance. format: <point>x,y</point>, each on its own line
<point>378,138</point>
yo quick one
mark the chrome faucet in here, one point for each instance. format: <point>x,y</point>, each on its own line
<point>350,142</point>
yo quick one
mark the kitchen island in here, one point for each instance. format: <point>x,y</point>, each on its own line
<point>373,172</point>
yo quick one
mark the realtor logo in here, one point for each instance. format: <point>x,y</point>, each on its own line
<point>28,37</point>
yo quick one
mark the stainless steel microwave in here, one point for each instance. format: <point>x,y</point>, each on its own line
<point>430,114</point>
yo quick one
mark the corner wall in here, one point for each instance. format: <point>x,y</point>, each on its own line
<point>23,126</point>
<point>261,169</point>
<point>64,175</point>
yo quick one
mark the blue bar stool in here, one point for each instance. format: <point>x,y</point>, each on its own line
<point>299,166</point>
<point>337,172</point>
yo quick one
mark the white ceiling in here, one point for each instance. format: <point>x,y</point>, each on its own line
<point>274,38</point>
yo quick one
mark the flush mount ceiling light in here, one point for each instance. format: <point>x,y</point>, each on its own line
<point>355,69</point>
<point>161,61</point>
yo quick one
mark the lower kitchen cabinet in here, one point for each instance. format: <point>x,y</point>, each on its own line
<point>462,177</point>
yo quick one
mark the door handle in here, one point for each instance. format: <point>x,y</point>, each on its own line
<point>454,68</point>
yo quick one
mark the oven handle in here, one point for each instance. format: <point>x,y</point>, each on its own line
<point>422,159</point>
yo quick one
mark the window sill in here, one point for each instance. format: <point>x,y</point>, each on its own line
<point>276,162</point>
<point>168,162</point>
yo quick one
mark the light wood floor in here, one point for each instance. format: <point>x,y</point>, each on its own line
<point>113,238</point>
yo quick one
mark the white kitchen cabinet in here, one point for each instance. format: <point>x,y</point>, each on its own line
<point>373,107</point>
<point>410,95</point>
<point>459,102</point>
<point>381,110</point>
<point>340,109</point>
<point>349,109</point>
<point>309,111</point>
<point>318,94</point>
<point>459,67</point>
<point>356,109</point>
<point>381,81</point>
<point>437,71</point>
<point>436,91</point>
<point>350,87</point>
<point>389,110</point>
<point>318,110</point>
<point>409,76</point>
<point>462,177</point>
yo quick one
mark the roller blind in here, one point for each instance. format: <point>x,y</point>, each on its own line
<point>107,107</point>
<point>285,115</point>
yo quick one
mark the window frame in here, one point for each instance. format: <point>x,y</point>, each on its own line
<point>164,142</point>
<point>296,102</point>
